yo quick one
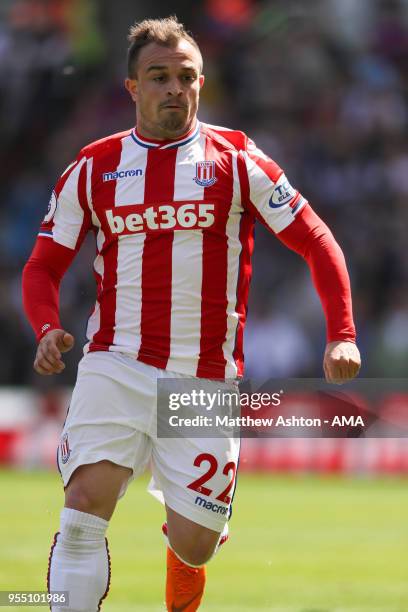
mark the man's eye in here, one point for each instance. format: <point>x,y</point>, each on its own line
<point>189,78</point>
<point>159,79</point>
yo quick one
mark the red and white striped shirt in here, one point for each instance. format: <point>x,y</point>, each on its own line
<point>174,233</point>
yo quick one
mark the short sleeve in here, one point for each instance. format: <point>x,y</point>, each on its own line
<point>68,217</point>
<point>271,197</point>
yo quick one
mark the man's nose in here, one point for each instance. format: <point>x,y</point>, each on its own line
<point>174,88</point>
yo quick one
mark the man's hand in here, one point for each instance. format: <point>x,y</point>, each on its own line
<point>341,362</point>
<point>48,358</point>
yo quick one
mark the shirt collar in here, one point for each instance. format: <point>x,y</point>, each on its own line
<point>150,143</point>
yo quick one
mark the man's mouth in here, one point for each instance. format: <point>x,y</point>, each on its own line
<point>174,106</point>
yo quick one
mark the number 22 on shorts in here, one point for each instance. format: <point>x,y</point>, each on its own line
<point>198,485</point>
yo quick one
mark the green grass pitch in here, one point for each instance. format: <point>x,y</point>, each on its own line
<point>298,544</point>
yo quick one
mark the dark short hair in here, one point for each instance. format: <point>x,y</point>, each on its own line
<point>166,32</point>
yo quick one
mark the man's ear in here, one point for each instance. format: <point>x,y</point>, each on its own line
<point>131,86</point>
<point>201,79</point>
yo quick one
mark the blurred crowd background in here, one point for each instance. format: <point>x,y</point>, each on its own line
<point>320,85</point>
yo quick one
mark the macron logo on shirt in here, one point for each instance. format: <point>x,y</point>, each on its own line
<point>120,174</point>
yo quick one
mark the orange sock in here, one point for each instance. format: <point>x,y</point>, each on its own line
<point>184,585</point>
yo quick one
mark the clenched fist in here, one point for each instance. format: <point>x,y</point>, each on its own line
<point>341,362</point>
<point>51,346</point>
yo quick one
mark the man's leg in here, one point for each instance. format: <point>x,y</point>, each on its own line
<point>192,542</point>
<point>195,478</point>
<point>190,546</point>
<point>79,559</point>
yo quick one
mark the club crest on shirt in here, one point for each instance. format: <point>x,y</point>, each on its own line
<point>205,173</point>
<point>64,448</point>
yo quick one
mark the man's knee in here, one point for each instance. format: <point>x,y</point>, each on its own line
<point>192,543</point>
<point>94,488</point>
<point>78,498</point>
<point>197,552</point>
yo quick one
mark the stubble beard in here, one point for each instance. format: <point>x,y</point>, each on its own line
<point>170,125</point>
<point>174,123</point>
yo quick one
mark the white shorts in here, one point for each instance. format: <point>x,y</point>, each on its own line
<point>113,416</point>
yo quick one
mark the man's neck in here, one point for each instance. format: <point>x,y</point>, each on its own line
<point>160,134</point>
